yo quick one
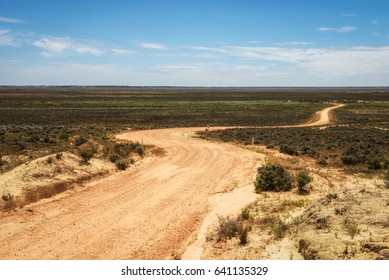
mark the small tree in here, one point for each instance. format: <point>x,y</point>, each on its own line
<point>273,177</point>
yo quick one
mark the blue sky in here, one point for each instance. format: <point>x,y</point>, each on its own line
<point>194,42</point>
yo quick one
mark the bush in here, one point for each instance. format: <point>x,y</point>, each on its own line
<point>302,179</point>
<point>245,214</point>
<point>138,148</point>
<point>63,136</point>
<point>122,164</point>
<point>349,159</point>
<point>122,149</point>
<point>58,156</point>
<point>228,228</point>
<point>114,157</point>
<point>322,161</point>
<point>351,156</point>
<point>288,150</point>
<point>273,178</point>
<point>49,160</point>
<point>243,235</point>
<point>87,154</point>
<point>375,163</point>
<point>279,230</point>
<point>351,228</point>
<point>80,140</point>
<point>232,227</point>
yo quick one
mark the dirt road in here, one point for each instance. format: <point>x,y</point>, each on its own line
<point>151,211</point>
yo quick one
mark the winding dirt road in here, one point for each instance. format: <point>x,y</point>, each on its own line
<point>151,211</point>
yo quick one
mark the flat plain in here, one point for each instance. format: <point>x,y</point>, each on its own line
<point>162,181</point>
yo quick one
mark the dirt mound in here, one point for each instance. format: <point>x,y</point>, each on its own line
<point>55,171</point>
<point>350,224</point>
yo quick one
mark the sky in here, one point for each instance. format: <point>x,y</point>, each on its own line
<point>194,42</point>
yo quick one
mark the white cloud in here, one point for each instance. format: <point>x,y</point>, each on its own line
<point>123,52</point>
<point>6,39</point>
<point>374,22</point>
<point>295,43</point>
<point>153,46</point>
<point>343,29</point>
<point>239,66</point>
<point>59,45</point>
<point>10,20</point>
<point>199,48</point>
<point>314,66</point>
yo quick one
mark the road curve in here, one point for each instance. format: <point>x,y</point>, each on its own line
<point>151,211</point>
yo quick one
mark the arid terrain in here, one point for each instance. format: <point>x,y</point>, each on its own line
<point>167,205</point>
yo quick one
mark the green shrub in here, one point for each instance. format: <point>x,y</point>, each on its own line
<point>243,232</point>
<point>322,161</point>
<point>349,159</point>
<point>114,157</point>
<point>351,228</point>
<point>122,164</point>
<point>138,148</point>
<point>80,140</point>
<point>122,149</point>
<point>228,228</point>
<point>279,230</point>
<point>351,156</point>
<point>58,156</point>
<point>87,154</point>
<point>245,214</point>
<point>49,160</point>
<point>273,178</point>
<point>289,150</point>
<point>302,179</point>
<point>375,163</point>
<point>63,136</point>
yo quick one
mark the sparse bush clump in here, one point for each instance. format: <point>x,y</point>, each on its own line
<point>245,214</point>
<point>228,228</point>
<point>7,197</point>
<point>243,235</point>
<point>377,162</point>
<point>138,148</point>
<point>351,156</point>
<point>122,164</point>
<point>279,230</point>
<point>114,157</point>
<point>87,154</point>
<point>79,141</point>
<point>58,156</point>
<point>322,161</point>
<point>273,178</point>
<point>285,149</point>
<point>232,227</point>
<point>351,228</point>
<point>302,179</point>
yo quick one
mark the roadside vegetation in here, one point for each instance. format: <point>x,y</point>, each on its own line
<point>355,148</point>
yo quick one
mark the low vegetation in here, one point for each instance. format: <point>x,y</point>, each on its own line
<point>358,148</point>
<point>273,177</point>
<point>229,228</point>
